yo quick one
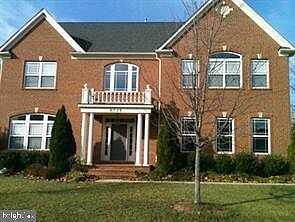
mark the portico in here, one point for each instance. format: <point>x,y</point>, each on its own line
<point>124,138</point>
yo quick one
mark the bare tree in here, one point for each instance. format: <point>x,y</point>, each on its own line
<point>205,35</point>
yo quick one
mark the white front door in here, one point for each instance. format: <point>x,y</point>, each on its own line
<point>118,141</point>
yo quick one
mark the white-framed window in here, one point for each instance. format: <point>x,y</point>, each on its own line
<point>31,131</point>
<point>188,73</point>
<point>188,134</point>
<point>225,140</point>
<point>261,143</point>
<point>225,70</point>
<point>260,73</point>
<point>121,77</point>
<point>40,75</point>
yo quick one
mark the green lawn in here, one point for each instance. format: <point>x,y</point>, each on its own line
<point>56,201</point>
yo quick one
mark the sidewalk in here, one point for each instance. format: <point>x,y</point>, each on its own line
<point>190,182</point>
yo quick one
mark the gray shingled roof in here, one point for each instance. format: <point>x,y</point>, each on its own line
<point>120,36</point>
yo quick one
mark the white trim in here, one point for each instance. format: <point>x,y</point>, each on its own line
<point>40,75</point>
<point>146,139</point>
<point>26,135</point>
<point>32,22</point>
<point>263,24</point>
<point>262,136</point>
<point>232,135</point>
<point>224,60</point>
<point>248,11</point>
<point>129,72</point>
<point>267,75</point>
<point>183,27</point>
<point>108,126</point>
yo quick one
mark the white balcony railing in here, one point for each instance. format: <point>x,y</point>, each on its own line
<point>90,96</point>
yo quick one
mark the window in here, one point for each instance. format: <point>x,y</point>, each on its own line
<point>261,136</point>
<point>225,135</point>
<point>31,131</point>
<point>121,77</point>
<point>188,134</point>
<point>40,75</point>
<point>225,71</point>
<point>188,69</point>
<point>260,73</point>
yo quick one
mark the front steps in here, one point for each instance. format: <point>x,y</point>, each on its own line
<point>115,171</point>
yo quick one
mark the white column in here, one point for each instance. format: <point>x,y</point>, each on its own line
<point>83,137</point>
<point>90,133</point>
<point>146,139</point>
<point>138,140</point>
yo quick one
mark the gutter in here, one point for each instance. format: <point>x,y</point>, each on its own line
<point>287,52</point>
<point>4,55</point>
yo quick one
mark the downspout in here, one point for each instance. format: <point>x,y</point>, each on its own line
<point>159,90</point>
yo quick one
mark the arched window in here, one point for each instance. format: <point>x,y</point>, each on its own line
<point>121,77</point>
<point>30,131</point>
<point>225,70</point>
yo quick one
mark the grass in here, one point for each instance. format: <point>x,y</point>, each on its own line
<point>56,201</point>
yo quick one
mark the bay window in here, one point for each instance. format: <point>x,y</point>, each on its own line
<point>225,70</point>
<point>30,131</point>
<point>40,75</point>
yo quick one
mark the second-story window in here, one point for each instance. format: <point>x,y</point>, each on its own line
<point>121,77</point>
<point>225,70</point>
<point>260,74</point>
<point>188,71</point>
<point>40,75</point>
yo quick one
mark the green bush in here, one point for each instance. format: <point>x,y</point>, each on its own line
<point>167,150</point>
<point>224,164</point>
<point>16,160</point>
<point>207,162</point>
<point>291,151</point>
<point>247,163</point>
<point>62,143</point>
<point>275,165</point>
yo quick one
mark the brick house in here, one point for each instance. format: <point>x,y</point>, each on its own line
<point>113,77</point>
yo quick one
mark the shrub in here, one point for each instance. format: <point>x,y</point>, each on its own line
<point>167,150</point>
<point>246,164</point>
<point>207,162</point>
<point>75,176</point>
<point>16,160</point>
<point>291,151</point>
<point>275,165</point>
<point>224,164</point>
<point>62,143</point>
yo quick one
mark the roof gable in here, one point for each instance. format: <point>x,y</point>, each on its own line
<point>43,14</point>
<point>275,35</point>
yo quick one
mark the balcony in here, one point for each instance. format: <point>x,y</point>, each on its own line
<point>90,96</point>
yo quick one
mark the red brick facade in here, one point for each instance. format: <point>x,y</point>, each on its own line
<point>243,37</point>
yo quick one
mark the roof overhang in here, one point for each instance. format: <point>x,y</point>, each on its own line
<point>43,14</point>
<point>5,55</point>
<point>274,34</point>
<point>113,55</point>
<point>287,52</point>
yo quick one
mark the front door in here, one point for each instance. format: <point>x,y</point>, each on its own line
<point>118,142</point>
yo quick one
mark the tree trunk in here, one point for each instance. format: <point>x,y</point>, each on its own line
<point>197,176</point>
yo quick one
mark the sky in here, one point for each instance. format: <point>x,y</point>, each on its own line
<point>14,13</point>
